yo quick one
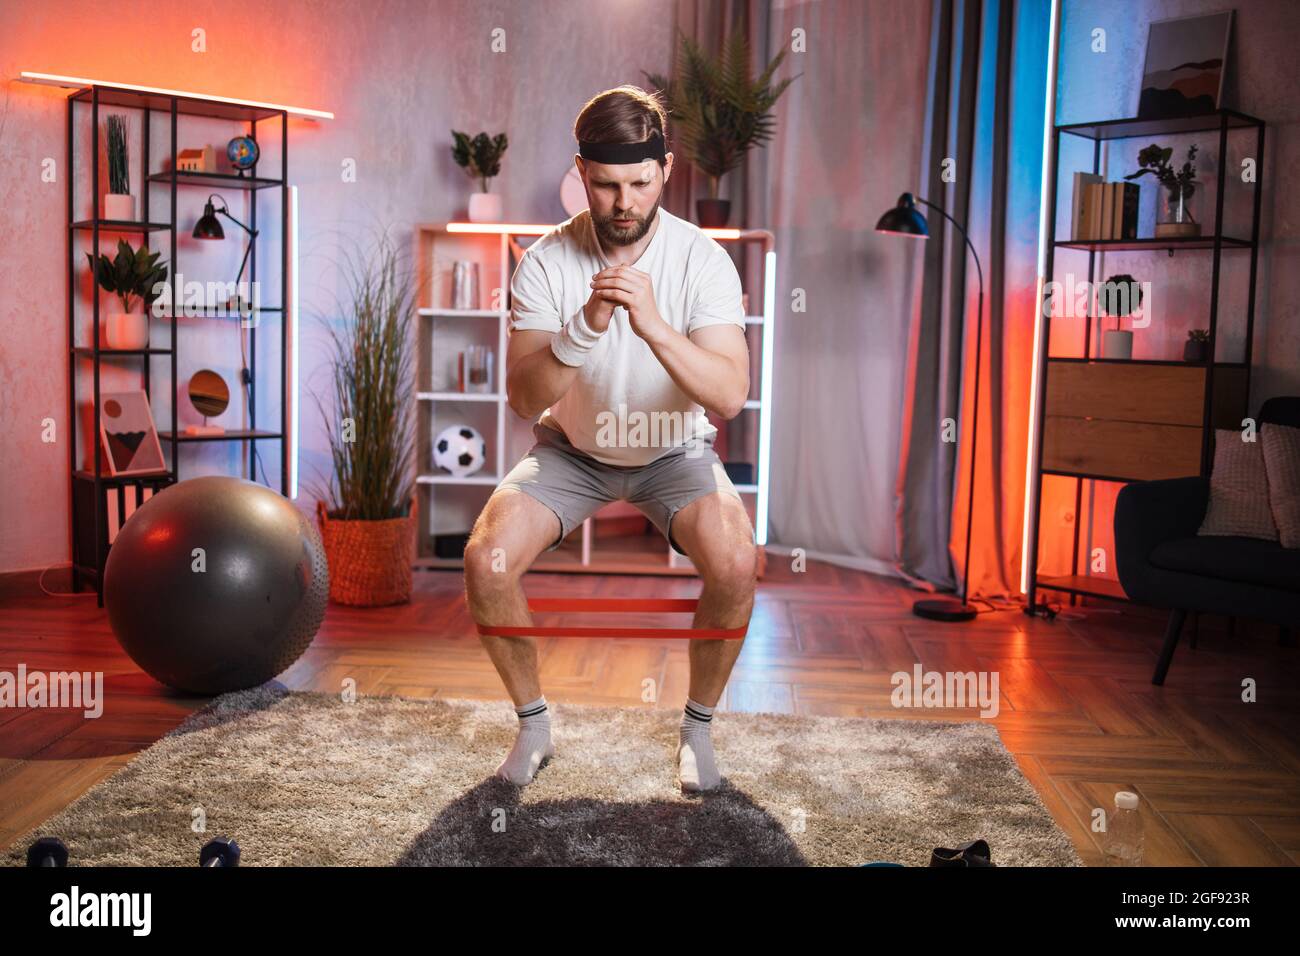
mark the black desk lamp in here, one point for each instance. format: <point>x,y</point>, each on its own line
<point>906,220</point>
<point>209,227</point>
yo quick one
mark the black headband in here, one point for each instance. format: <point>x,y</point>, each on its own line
<point>620,154</point>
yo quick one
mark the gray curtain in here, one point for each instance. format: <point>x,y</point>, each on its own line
<point>849,136</point>
<point>883,349</point>
<point>985,114</point>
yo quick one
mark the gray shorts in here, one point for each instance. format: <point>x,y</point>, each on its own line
<point>574,485</point>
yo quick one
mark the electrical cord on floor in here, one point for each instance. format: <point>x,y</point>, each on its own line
<point>40,581</point>
<point>246,378</point>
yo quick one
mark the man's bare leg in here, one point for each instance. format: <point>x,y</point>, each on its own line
<point>716,532</point>
<point>510,532</point>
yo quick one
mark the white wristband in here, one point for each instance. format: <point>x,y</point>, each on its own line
<point>575,340</point>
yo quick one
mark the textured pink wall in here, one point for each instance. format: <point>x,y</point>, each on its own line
<point>398,74</point>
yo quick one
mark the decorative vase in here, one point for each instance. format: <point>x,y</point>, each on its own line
<point>369,561</point>
<point>126,330</point>
<point>1195,351</point>
<point>485,207</point>
<point>713,213</point>
<point>1176,217</point>
<point>1117,344</point>
<point>119,207</point>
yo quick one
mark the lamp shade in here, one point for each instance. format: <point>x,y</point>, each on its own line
<point>904,220</point>
<point>208,226</point>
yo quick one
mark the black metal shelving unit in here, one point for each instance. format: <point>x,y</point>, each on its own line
<point>87,488</point>
<point>1221,122</point>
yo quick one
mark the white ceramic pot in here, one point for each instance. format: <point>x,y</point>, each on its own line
<point>126,330</point>
<point>485,207</point>
<point>1116,344</point>
<point>119,207</point>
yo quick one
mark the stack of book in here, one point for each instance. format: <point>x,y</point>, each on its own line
<point>1102,210</point>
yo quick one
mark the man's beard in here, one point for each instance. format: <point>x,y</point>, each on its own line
<point>613,235</point>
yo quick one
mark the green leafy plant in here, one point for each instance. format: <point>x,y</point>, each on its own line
<point>119,182</point>
<point>1199,335</point>
<point>480,157</point>
<point>132,273</point>
<point>718,111</point>
<point>371,435</point>
<point>1181,183</point>
<point>1119,296</point>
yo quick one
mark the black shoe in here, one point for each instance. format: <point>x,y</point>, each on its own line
<point>974,853</point>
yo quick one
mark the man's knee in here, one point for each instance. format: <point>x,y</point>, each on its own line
<point>486,567</point>
<point>735,569</point>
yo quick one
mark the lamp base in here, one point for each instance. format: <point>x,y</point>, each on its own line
<point>944,609</point>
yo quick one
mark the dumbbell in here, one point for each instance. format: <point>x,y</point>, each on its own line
<point>222,851</point>
<point>47,851</point>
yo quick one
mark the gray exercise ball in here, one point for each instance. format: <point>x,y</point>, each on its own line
<point>216,584</point>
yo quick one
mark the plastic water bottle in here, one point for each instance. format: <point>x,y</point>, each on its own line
<point>1123,839</point>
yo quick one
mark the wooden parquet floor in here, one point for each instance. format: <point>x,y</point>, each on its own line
<point>1219,777</point>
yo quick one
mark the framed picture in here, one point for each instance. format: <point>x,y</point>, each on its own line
<point>130,440</point>
<point>1185,62</point>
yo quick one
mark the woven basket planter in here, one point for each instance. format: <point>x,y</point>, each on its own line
<point>370,561</point>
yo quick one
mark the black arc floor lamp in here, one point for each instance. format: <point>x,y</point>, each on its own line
<point>906,220</point>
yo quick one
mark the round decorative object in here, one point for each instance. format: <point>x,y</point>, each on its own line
<point>242,151</point>
<point>573,195</point>
<point>459,449</point>
<point>209,393</point>
<point>216,584</point>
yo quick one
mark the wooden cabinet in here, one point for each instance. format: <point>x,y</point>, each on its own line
<point>1133,421</point>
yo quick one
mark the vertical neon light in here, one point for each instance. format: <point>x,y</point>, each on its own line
<point>765,396</point>
<point>1031,456</point>
<point>292,319</point>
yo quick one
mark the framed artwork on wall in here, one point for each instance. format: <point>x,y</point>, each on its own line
<point>1185,63</point>
<point>127,430</point>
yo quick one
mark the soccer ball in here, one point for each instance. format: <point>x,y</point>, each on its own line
<point>460,450</point>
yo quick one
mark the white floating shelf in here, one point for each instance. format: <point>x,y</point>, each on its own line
<point>490,480</point>
<point>466,313</point>
<point>458,396</point>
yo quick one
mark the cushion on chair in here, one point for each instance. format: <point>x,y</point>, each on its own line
<point>1282,465</point>
<point>1238,504</point>
<point>1248,560</point>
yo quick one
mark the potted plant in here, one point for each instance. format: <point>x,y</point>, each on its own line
<point>720,113</point>
<point>1197,346</point>
<point>1119,297</point>
<point>133,273</point>
<point>1175,217</point>
<point>119,204</point>
<point>480,157</point>
<point>366,510</point>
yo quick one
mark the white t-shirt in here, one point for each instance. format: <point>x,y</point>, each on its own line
<point>624,408</point>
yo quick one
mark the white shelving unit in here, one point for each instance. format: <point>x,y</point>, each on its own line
<point>442,332</point>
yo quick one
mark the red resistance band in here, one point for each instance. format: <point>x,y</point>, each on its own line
<point>632,605</point>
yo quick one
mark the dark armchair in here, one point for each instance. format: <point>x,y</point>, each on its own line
<point>1163,563</point>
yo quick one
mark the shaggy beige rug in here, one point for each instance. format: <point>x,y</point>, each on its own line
<point>308,779</point>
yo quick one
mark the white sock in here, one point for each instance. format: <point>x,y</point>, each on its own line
<point>696,768</point>
<point>532,745</point>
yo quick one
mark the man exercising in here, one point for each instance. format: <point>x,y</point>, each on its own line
<point>623,315</point>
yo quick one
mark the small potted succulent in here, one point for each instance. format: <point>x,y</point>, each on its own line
<point>480,157</point>
<point>134,273</point>
<point>1175,218</point>
<point>1118,297</point>
<point>1197,346</point>
<point>119,204</point>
